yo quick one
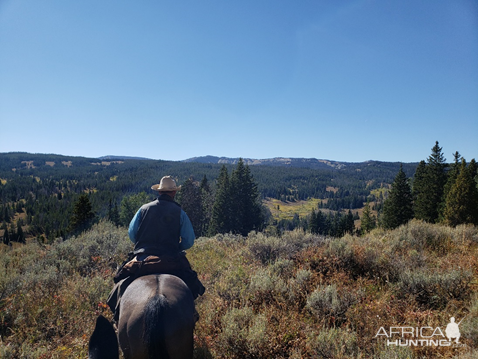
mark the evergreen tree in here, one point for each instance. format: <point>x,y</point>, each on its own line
<point>236,207</point>
<point>245,198</point>
<point>204,185</point>
<point>397,209</point>
<point>313,223</point>
<point>430,186</point>
<point>207,203</point>
<point>349,223</point>
<point>221,209</point>
<point>419,184</point>
<point>368,219</point>
<point>20,236</point>
<point>113,213</point>
<point>82,214</point>
<point>6,236</point>
<point>452,175</point>
<point>191,203</point>
<point>322,226</point>
<point>462,199</point>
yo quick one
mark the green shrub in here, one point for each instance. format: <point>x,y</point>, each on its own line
<point>233,284</point>
<point>333,343</point>
<point>434,289</point>
<point>262,298</point>
<point>266,286</point>
<point>469,327</point>
<point>244,334</point>
<point>388,352</point>
<point>268,249</point>
<point>282,267</point>
<point>471,354</point>
<point>327,302</point>
<point>420,235</point>
<point>302,277</point>
<point>465,233</point>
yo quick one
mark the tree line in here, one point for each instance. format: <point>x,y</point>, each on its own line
<point>438,193</point>
<point>233,206</point>
<point>43,199</point>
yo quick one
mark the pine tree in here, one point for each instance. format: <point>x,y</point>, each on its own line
<point>82,214</point>
<point>207,203</point>
<point>221,209</point>
<point>349,223</point>
<point>430,186</point>
<point>245,197</point>
<point>20,235</point>
<point>368,219</point>
<point>6,236</point>
<point>313,223</point>
<point>397,209</point>
<point>322,226</point>
<point>236,206</point>
<point>113,213</point>
<point>452,175</point>
<point>462,199</point>
<point>191,203</point>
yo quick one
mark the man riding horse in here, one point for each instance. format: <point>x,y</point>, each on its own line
<point>160,231</point>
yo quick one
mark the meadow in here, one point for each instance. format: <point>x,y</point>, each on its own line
<point>295,296</point>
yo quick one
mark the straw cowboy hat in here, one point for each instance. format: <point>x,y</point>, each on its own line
<point>167,184</point>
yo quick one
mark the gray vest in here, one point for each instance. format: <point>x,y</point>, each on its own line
<point>159,228</point>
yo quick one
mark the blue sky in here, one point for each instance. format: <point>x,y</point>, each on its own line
<point>340,80</point>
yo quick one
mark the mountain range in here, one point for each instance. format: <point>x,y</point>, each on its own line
<point>276,161</point>
<point>313,163</point>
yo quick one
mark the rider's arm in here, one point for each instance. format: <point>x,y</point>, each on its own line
<point>133,226</point>
<point>187,232</point>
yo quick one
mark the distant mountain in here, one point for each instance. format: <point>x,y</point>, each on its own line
<point>13,159</point>
<point>118,158</point>
<point>277,161</point>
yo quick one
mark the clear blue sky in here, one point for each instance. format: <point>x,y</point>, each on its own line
<point>340,80</point>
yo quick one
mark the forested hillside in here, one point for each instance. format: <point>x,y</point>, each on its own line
<point>38,192</point>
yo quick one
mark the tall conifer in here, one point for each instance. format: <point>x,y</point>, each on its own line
<point>245,197</point>
<point>429,195</point>
<point>462,199</point>
<point>313,223</point>
<point>368,221</point>
<point>236,207</point>
<point>221,209</point>
<point>191,203</point>
<point>397,209</point>
<point>207,203</point>
<point>82,214</point>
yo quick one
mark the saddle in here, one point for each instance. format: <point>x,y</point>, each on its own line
<point>166,264</point>
<point>132,268</point>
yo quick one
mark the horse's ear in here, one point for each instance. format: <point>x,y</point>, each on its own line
<point>103,342</point>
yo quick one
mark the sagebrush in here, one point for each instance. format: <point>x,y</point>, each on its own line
<point>294,296</point>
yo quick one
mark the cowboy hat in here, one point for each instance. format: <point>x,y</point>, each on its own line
<point>167,184</point>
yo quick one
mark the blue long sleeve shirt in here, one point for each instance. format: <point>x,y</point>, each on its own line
<point>186,230</point>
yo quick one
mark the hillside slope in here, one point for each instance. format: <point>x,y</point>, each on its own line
<point>298,296</point>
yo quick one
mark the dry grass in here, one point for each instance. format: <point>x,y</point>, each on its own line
<point>286,210</point>
<point>298,296</point>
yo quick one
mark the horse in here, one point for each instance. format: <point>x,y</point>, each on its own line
<point>156,321</point>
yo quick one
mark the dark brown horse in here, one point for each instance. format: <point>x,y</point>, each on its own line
<point>156,321</point>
